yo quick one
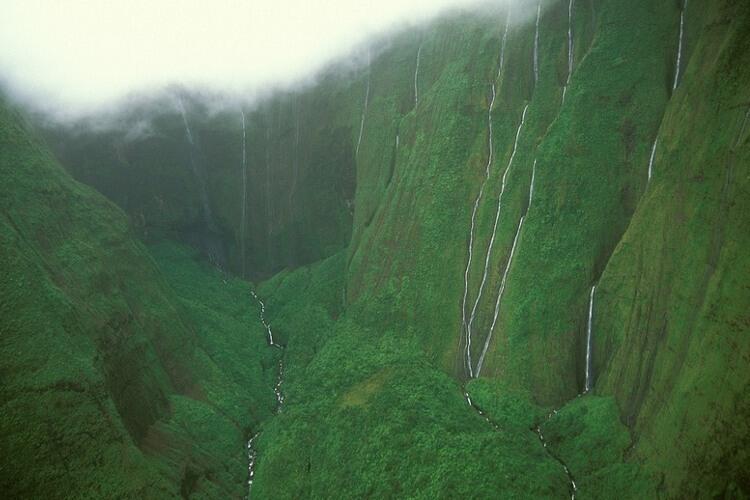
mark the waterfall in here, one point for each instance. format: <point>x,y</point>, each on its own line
<point>573,488</point>
<point>251,456</point>
<point>570,49</point>
<point>651,160</point>
<point>397,141</point>
<point>587,386</point>
<point>503,45</point>
<point>251,453</point>
<point>499,297</point>
<point>536,45</point>
<point>531,187</point>
<point>488,256</point>
<point>679,46</point>
<point>364,109</point>
<point>244,192</point>
<point>416,77</point>
<point>207,216</point>
<point>466,327</point>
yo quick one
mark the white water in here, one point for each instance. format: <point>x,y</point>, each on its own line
<point>570,49</point>
<point>587,385</point>
<point>499,297</point>
<point>397,141</point>
<point>416,77</point>
<point>364,113</point>
<point>679,46</point>
<point>263,320</point>
<point>465,325</point>
<point>491,245</point>
<point>651,160</point>
<point>536,44</point>
<point>531,187</point>
<point>571,480</point>
<point>251,456</point>
<point>244,192</point>
<point>251,453</point>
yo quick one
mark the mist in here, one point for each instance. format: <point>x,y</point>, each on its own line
<point>77,56</point>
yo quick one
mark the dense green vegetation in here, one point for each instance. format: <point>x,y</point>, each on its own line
<point>112,384</point>
<point>155,364</point>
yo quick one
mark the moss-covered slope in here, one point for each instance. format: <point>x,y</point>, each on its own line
<point>109,389</point>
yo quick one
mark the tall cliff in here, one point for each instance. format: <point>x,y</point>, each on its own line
<point>462,212</point>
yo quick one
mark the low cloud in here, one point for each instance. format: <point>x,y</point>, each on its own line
<point>81,55</point>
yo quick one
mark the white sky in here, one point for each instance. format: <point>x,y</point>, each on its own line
<point>79,54</point>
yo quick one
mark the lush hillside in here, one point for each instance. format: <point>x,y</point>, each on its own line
<point>113,384</point>
<point>432,224</point>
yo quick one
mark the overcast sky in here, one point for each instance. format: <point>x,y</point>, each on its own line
<point>77,54</point>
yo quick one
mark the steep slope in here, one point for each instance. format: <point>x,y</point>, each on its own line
<point>462,191</point>
<point>674,300</point>
<point>109,388</point>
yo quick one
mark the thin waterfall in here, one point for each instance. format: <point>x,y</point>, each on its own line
<point>244,192</point>
<point>679,46</point>
<point>587,385</point>
<point>397,141</point>
<point>416,77</point>
<point>207,216</point>
<point>570,49</point>
<point>491,245</point>
<point>503,45</point>
<point>475,209</point>
<point>364,109</point>
<point>467,329</point>
<point>252,455</point>
<point>251,452</point>
<point>531,187</point>
<point>499,297</point>
<point>536,44</point>
<point>651,160</point>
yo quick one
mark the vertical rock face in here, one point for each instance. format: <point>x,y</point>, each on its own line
<point>638,185</point>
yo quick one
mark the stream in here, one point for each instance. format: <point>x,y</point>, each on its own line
<point>252,453</point>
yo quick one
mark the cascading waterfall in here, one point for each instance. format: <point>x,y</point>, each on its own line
<point>364,109</point>
<point>572,487</point>
<point>570,49</point>
<point>465,325</point>
<point>491,245</point>
<point>531,187</point>
<point>499,297</point>
<point>587,384</point>
<point>679,46</point>
<point>536,44</point>
<point>251,453</point>
<point>416,77</point>
<point>244,192</point>
<point>651,160</point>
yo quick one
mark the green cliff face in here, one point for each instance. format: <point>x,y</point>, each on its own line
<point>112,384</point>
<point>599,161</point>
